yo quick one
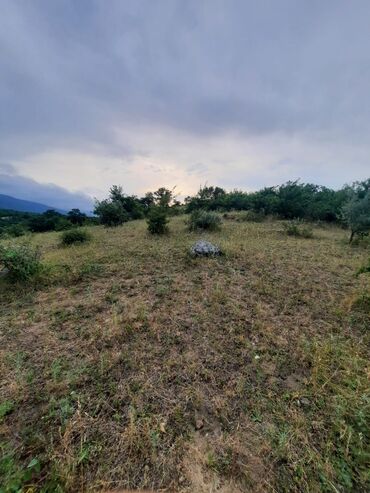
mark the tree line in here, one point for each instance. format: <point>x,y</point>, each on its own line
<point>348,206</point>
<point>14,224</point>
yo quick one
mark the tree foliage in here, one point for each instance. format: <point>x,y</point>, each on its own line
<point>50,220</point>
<point>76,217</point>
<point>356,214</point>
<point>157,220</point>
<point>291,200</point>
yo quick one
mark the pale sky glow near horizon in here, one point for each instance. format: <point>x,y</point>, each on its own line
<point>235,93</point>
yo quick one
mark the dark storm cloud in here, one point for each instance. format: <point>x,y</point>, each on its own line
<point>72,71</point>
<point>15,185</point>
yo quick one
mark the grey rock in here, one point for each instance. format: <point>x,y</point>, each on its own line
<point>304,402</point>
<point>204,248</point>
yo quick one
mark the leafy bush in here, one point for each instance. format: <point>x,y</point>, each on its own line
<point>75,236</point>
<point>21,261</point>
<point>15,230</point>
<point>206,220</point>
<point>298,228</point>
<point>111,213</point>
<point>251,216</point>
<point>157,221</point>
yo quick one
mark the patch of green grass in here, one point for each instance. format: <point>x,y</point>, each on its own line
<point>6,407</point>
<point>14,476</point>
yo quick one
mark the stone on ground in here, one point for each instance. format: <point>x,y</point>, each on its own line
<point>204,248</point>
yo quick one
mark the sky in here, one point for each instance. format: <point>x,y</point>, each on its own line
<point>142,93</point>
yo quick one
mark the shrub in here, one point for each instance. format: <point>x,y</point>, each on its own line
<point>75,236</point>
<point>157,221</point>
<point>298,228</point>
<point>251,216</point>
<point>15,230</point>
<point>21,261</point>
<point>206,220</point>
<point>111,213</point>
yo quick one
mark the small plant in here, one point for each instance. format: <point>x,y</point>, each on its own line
<point>16,476</point>
<point>21,261</point>
<point>205,220</point>
<point>157,221</point>
<point>74,236</point>
<point>298,228</point>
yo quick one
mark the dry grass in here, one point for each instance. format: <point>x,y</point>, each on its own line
<point>132,365</point>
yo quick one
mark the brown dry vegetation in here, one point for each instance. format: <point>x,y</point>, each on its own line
<point>132,365</point>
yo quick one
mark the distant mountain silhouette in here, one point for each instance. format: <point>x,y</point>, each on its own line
<point>11,203</point>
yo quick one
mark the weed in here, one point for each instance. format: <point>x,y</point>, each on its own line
<point>16,477</point>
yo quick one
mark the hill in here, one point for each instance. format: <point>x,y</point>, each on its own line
<point>133,365</point>
<point>19,205</point>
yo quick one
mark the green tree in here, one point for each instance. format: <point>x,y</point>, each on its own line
<point>130,203</point>
<point>356,214</point>
<point>157,220</point>
<point>76,217</point>
<point>110,213</point>
<point>147,201</point>
<point>163,197</point>
<point>50,220</point>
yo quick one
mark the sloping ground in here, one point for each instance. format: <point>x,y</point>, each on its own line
<point>135,366</point>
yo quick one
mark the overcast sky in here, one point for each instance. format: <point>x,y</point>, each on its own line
<point>145,93</point>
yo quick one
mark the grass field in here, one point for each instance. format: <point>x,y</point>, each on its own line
<point>132,365</point>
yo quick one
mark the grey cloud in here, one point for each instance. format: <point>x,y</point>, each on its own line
<point>13,184</point>
<point>73,71</point>
<point>197,169</point>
